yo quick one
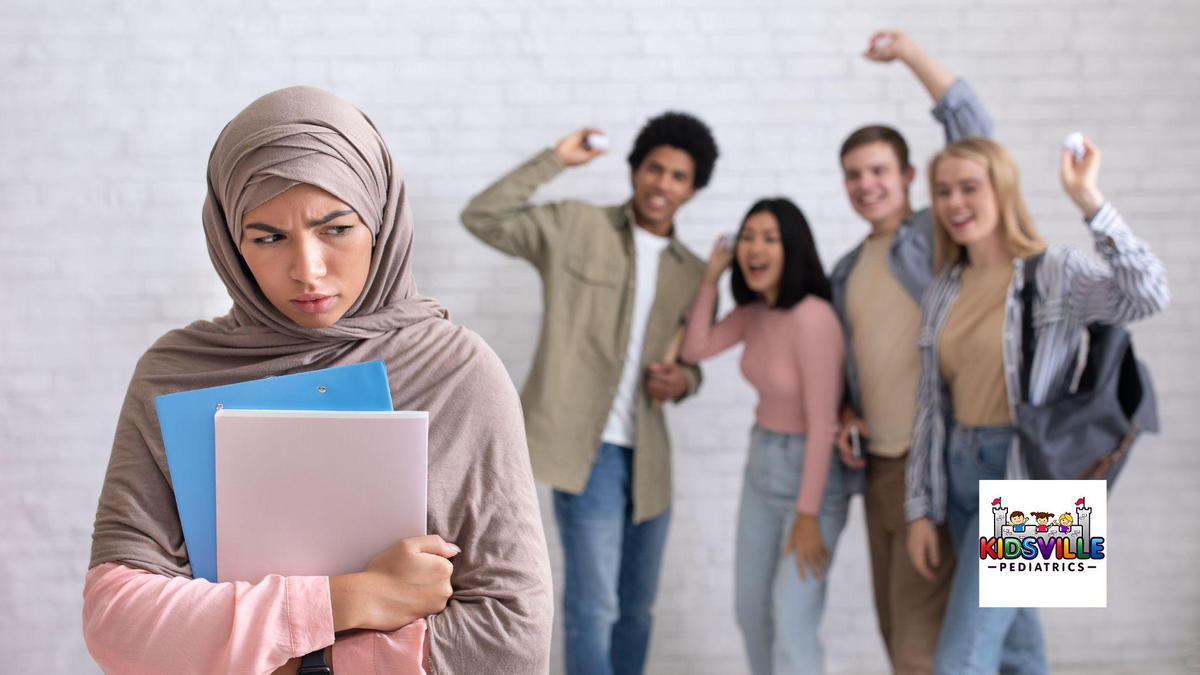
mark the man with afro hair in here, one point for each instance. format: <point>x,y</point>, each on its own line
<point>616,287</point>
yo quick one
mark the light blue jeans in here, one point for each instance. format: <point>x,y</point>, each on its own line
<point>611,569</point>
<point>779,613</point>
<point>978,639</point>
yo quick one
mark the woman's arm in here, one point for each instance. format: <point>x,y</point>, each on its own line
<point>819,346</point>
<point>1132,283</point>
<point>144,613</point>
<point>704,339</point>
<point>136,621</point>
<point>820,350</point>
<point>482,496</point>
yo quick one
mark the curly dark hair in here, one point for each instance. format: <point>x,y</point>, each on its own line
<point>682,131</point>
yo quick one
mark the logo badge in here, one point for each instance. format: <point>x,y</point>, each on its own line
<point>1043,543</point>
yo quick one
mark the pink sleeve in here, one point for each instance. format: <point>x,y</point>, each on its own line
<point>704,339</point>
<point>401,652</point>
<point>136,621</point>
<point>820,348</point>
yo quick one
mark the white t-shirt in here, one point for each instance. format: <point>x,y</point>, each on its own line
<point>621,429</point>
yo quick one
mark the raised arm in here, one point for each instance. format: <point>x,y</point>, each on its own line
<point>704,338</point>
<point>1131,283</point>
<point>956,106</point>
<point>502,217</point>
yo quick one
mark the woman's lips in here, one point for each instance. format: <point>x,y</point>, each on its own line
<point>313,303</point>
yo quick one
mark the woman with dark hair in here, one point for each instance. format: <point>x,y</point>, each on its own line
<point>792,494</point>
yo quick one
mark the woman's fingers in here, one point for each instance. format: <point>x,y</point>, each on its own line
<point>432,543</point>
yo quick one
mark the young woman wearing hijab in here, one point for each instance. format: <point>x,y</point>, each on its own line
<point>793,501</point>
<point>308,226</point>
<point>970,364</point>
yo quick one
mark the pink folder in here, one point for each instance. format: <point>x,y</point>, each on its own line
<point>316,493</point>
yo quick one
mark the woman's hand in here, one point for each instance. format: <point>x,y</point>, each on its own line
<point>573,150</point>
<point>1079,178</point>
<point>408,581</point>
<point>718,261</point>
<point>805,539</point>
<point>844,446</point>
<point>923,547</point>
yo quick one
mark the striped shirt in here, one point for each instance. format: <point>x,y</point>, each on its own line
<point>1072,292</point>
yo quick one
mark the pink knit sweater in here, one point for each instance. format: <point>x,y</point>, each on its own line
<point>793,357</point>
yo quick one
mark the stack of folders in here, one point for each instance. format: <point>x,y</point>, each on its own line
<point>305,474</point>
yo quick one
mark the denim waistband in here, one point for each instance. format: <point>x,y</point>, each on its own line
<point>767,433</point>
<point>959,428</point>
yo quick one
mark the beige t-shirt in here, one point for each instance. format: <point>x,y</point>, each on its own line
<point>971,347</point>
<point>884,322</point>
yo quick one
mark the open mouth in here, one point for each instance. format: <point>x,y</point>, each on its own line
<point>961,222</point>
<point>657,202</point>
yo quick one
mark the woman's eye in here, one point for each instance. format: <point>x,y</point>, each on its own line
<point>338,230</point>
<point>268,239</point>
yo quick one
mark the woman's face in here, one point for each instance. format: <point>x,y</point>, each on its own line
<point>760,254</point>
<point>964,201</point>
<point>309,252</point>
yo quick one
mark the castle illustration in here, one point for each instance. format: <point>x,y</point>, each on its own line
<point>1081,528</point>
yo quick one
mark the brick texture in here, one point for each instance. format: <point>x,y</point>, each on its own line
<point>110,109</point>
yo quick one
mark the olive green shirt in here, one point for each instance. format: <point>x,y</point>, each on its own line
<point>585,257</point>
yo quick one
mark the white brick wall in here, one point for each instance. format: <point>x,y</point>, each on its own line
<point>110,108</point>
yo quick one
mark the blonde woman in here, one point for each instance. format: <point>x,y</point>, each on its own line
<point>970,360</point>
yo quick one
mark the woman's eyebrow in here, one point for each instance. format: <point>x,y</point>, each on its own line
<point>264,227</point>
<point>335,214</point>
<point>312,223</point>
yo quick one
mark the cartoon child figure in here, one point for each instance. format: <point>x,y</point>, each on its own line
<point>1018,521</point>
<point>1043,520</point>
<point>1064,522</point>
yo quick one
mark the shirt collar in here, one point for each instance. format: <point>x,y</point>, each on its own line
<point>630,221</point>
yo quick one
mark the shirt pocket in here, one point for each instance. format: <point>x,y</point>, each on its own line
<point>593,271</point>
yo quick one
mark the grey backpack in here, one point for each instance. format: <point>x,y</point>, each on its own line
<point>1088,433</point>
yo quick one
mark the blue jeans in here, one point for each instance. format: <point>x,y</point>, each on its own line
<point>612,567</point>
<point>778,612</point>
<point>978,639</point>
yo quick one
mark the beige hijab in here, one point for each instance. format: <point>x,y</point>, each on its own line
<point>481,494</point>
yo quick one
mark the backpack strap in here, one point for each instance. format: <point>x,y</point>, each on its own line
<point>1028,344</point>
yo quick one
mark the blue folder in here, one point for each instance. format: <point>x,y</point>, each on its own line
<point>186,421</point>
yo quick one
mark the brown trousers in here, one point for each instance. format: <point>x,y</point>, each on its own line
<point>908,605</point>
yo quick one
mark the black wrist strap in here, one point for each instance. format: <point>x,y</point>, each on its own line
<point>313,663</point>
